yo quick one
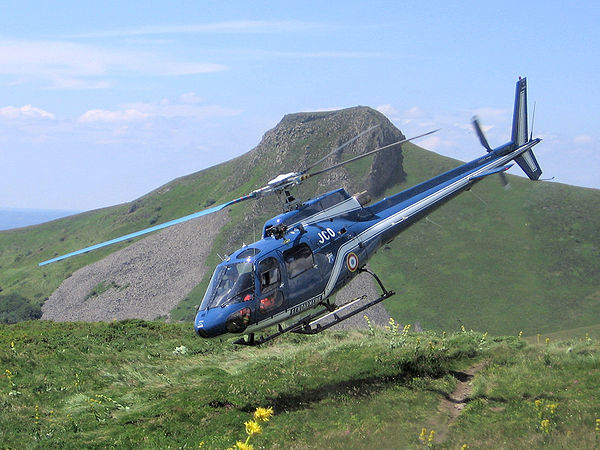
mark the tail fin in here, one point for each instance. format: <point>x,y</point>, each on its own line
<point>520,137</point>
<point>519,127</point>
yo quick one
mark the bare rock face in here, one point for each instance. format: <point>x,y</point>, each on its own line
<point>145,280</point>
<point>301,139</point>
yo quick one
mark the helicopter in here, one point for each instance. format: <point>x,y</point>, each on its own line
<point>314,248</point>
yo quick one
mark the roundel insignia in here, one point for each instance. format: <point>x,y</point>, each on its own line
<point>352,261</point>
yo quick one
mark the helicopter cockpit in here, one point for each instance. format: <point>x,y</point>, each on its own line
<point>230,283</point>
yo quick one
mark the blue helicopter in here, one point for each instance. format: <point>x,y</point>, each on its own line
<point>314,248</point>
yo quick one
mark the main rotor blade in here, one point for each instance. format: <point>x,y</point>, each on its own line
<point>333,152</point>
<point>151,229</point>
<point>369,153</point>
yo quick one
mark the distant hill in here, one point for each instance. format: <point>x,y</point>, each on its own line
<point>22,217</point>
<point>491,260</point>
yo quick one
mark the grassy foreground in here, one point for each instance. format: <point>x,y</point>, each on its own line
<point>156,385</point>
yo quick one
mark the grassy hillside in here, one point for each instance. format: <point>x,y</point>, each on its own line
<point>155,385</point>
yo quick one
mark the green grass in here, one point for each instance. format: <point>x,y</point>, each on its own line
<point>124,384</point>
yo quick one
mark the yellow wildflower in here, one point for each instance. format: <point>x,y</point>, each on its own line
<point>547,340</point>
<point>520,334</point>
<point>252,427</point>
<point>423,434</point>
<point>598,425</point>
<point>464,447</point>
<point>431,436</point>
<point>552,408</point>
<point>263,414</point>
<point>243,446</point>
<point>545,426</point>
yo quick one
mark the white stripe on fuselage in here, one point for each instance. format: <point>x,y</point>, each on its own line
<point>348,205</point>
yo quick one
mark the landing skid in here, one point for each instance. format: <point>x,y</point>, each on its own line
<point>312,323</point>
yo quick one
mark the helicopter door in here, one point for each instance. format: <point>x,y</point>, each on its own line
<point>304,277</point>
<point>271,297</point>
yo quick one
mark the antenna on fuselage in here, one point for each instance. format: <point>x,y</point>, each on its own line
<point>532,122</point>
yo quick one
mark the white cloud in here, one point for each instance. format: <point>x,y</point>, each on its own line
<point>103,115</point>
<point>24,112</point>
<point>190,97</point>
<point>232,26</point>
<point>430,143</point>
<point>78,84</point>
<point>405,117</point>
<point>67,65</point>
<point>583,139</point>
<point>188,107</point>
<point>388,110</point>
<point>492,113</point>
<point>414,112</point>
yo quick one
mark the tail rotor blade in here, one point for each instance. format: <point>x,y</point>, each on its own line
<point>504,180</point>
<point>480,134</point>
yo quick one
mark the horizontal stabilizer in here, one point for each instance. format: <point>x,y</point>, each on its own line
<point>491,172</point>
<point>529,164</point>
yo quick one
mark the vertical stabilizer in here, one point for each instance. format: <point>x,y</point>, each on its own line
<point>520,135</point>
<point>519,128</point>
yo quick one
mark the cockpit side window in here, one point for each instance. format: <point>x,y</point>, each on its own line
<point>298,260</point>
<point>269,274</point>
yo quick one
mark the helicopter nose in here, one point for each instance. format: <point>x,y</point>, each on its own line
<point>208,326</point>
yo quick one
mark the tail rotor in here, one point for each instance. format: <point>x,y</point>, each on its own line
<point>486,145</point>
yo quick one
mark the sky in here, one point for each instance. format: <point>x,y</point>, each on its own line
<point>101,102</point>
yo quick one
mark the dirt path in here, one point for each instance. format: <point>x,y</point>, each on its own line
<point>451,406</point>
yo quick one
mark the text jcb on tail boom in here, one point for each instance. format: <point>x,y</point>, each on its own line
<point>314,248</point>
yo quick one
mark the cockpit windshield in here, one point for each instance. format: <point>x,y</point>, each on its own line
<point>232,283</point>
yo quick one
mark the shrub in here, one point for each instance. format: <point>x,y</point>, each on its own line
<point>16,308</point>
